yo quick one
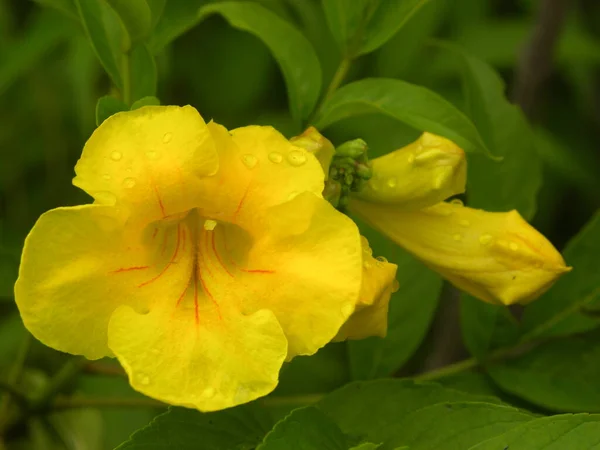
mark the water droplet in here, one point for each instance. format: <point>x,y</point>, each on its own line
<point>208,392</point>
<point>366,264</point>
<point>249,160</point>
<point>275,157</point>
<point>464,223</point>
<point>129,183</point>
<point>210,224</point>
<point>144,379</point>
<point>129,170</point>
<point>296,158</point>
<point>116,156</point>
<point>395,286</point>
<point>151,154</point>
<point>347,310</point>
<point>457,237</point>
<point>382,259</point>
<point>367,250</point>
<point>486,239</point>
<point>411,158</point>
<point>392,182</point>
<point>167,138</point>
<point>514,246</point>
<point>106,177</point>
<point>457,202</point>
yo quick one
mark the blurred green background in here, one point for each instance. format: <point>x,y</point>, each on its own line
<point>50,81</point>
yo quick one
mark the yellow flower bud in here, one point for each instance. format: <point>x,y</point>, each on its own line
<point>497,257</point>
<point>421,174</point>
<point>317,144</point>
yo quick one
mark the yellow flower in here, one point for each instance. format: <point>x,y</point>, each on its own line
<point>497,257</point>
<point>378,283</point>
<point>206,260</point>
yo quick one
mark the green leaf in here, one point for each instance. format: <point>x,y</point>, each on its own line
<point>107,106</point>
<point>562,310</point>
<point>135,16</point>
<point>143,73</point>
<point>156,10</point>
<point>305,428</point>
<point>295,55</point>
<point>410,315</point>
<point>242,427</point>
<point>90,12</point>
<point>46,30</point>
<point>370,446</point>
<point>414,105</point>
<point>454,426</point>
<point>145,101</point>
<point>178,17</point>
<point>67,7</point>
<point>561,375</point>
<point>362,26</point>
<point>371,410</point>
<point>572,432</point>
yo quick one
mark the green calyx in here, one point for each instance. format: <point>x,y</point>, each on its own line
<point>348,172</point>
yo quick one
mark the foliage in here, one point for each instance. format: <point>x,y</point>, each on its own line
<point>378,70</point>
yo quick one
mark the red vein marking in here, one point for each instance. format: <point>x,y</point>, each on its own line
<point>185,290</point>
<point>257,270</point>
<point>173,258</point>
<point>214,247</point>
<point>154,232</point>
<point>160,203</point>
<point>128,269</point>
<point>196,315</point>
<point>241,203</point>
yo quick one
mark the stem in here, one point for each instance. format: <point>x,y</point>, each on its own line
<point>77,402</point>
<point>451,369</point>
<point>336,81</point>
<point>104,369</point>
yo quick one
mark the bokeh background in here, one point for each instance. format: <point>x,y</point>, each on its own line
<point>50,81</point>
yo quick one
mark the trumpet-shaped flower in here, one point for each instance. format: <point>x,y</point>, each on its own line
<point>206,260</point>
<point>497,257</point>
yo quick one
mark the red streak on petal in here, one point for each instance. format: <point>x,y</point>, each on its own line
<point>214,247</point>
<point>185,290</point>
<point>154,232</point>
<point>241,203</point>
<point>173,258</point>
<point>160,203</point>
<point>129,269</point>
<point>257,271</point>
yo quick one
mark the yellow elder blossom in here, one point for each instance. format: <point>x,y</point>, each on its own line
<point>497,257</point>
<point>207,258</point>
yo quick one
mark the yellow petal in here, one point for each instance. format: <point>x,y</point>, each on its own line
<point>423,173</point>
<point>308,271</point>
<point>497,257</point>
<point>258,168</point>
<point>148,161</point>
<point>222,360</point>
<point>378,283</point>
<point>68,283</point>
<point>317,144</point>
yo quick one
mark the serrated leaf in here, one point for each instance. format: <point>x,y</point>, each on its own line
<point>293,52</point>
<point>143,73</point>
<point>90,13</point>
<point>305,428</point>
<point>361,26</point>
<point>561,375</point>
<point>454,425</point>
<point>145,101</point>
<point>383,404</point>
<point>408,103</point>
<point>242,427</point>
<point>411,311</point>
<point>135,16</point>
<point>562,310</point>
<point>107,106</point>
<point>572,432</point>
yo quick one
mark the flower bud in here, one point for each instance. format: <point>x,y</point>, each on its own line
<point>421,174</point>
